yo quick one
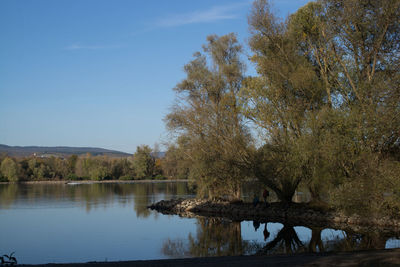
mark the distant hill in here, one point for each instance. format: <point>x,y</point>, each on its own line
<point>58,151</point>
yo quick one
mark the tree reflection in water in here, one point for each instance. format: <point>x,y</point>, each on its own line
<point>286,241</point>
<point>219,237</point>
<point>316,244</point>
<point>350,241</point>
<point>94,195</point>
<point>214,237</point>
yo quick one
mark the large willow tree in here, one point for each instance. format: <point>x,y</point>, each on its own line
<point>207,114</point>
<point>280,101</point>
<point>328,100</point>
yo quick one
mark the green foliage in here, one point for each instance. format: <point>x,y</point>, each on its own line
<point>327,100</point>
<point>143,162</point>
<point>176,164</point>
<point>94,168</point>
<point>73,168</point>
<point>71,164</point>
<point>9,169</point>
<point>73,177</point>
<point>159,177</point>
<point>126,178</point>
<point>212,134</point>
<point>373,190</point>
<point>3,179</point>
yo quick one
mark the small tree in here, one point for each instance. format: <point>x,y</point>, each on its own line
<point>9,169</point>
<point>71,164</point>
<point>143,162</point>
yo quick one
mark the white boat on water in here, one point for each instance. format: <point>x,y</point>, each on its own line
<point>72,183</point>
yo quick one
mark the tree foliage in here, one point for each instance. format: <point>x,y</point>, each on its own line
<point>75,167</point>
<point>143,162</point>
<point>208,117</point>
<point>327,97</point>
<point>176,164</point>
<point>9,169</point>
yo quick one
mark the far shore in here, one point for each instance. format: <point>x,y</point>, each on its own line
<point>94,182</point>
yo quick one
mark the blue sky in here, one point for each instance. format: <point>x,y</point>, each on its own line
<point>100,73</point>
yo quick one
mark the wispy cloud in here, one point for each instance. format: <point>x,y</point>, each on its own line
<point>91,47</point>
<point>205,16</point>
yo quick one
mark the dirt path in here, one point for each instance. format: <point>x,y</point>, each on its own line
<point>390,257</point>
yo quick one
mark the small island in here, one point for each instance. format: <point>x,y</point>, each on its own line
<point>293,213</point>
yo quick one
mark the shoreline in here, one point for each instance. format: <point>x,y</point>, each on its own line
<point>295,214</point>
<point>95,182</point>
<point>387,257</point>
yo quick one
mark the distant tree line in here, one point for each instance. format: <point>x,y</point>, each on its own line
<point>144,164</point>
<point>322,113</point>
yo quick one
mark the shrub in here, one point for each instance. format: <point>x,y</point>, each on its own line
<point>159,177</point>
<point>9,169</point>
<point>3,179</point>
<point>73,176</point>
<point>126,178</point>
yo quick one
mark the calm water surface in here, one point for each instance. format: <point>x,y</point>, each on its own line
<point>62,223</point>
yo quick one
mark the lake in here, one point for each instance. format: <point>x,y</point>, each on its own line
<point>60,223</point>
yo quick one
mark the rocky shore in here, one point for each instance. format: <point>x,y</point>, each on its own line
<point>293,214</point>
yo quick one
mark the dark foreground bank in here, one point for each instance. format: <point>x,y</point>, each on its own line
<point>390,257</point>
